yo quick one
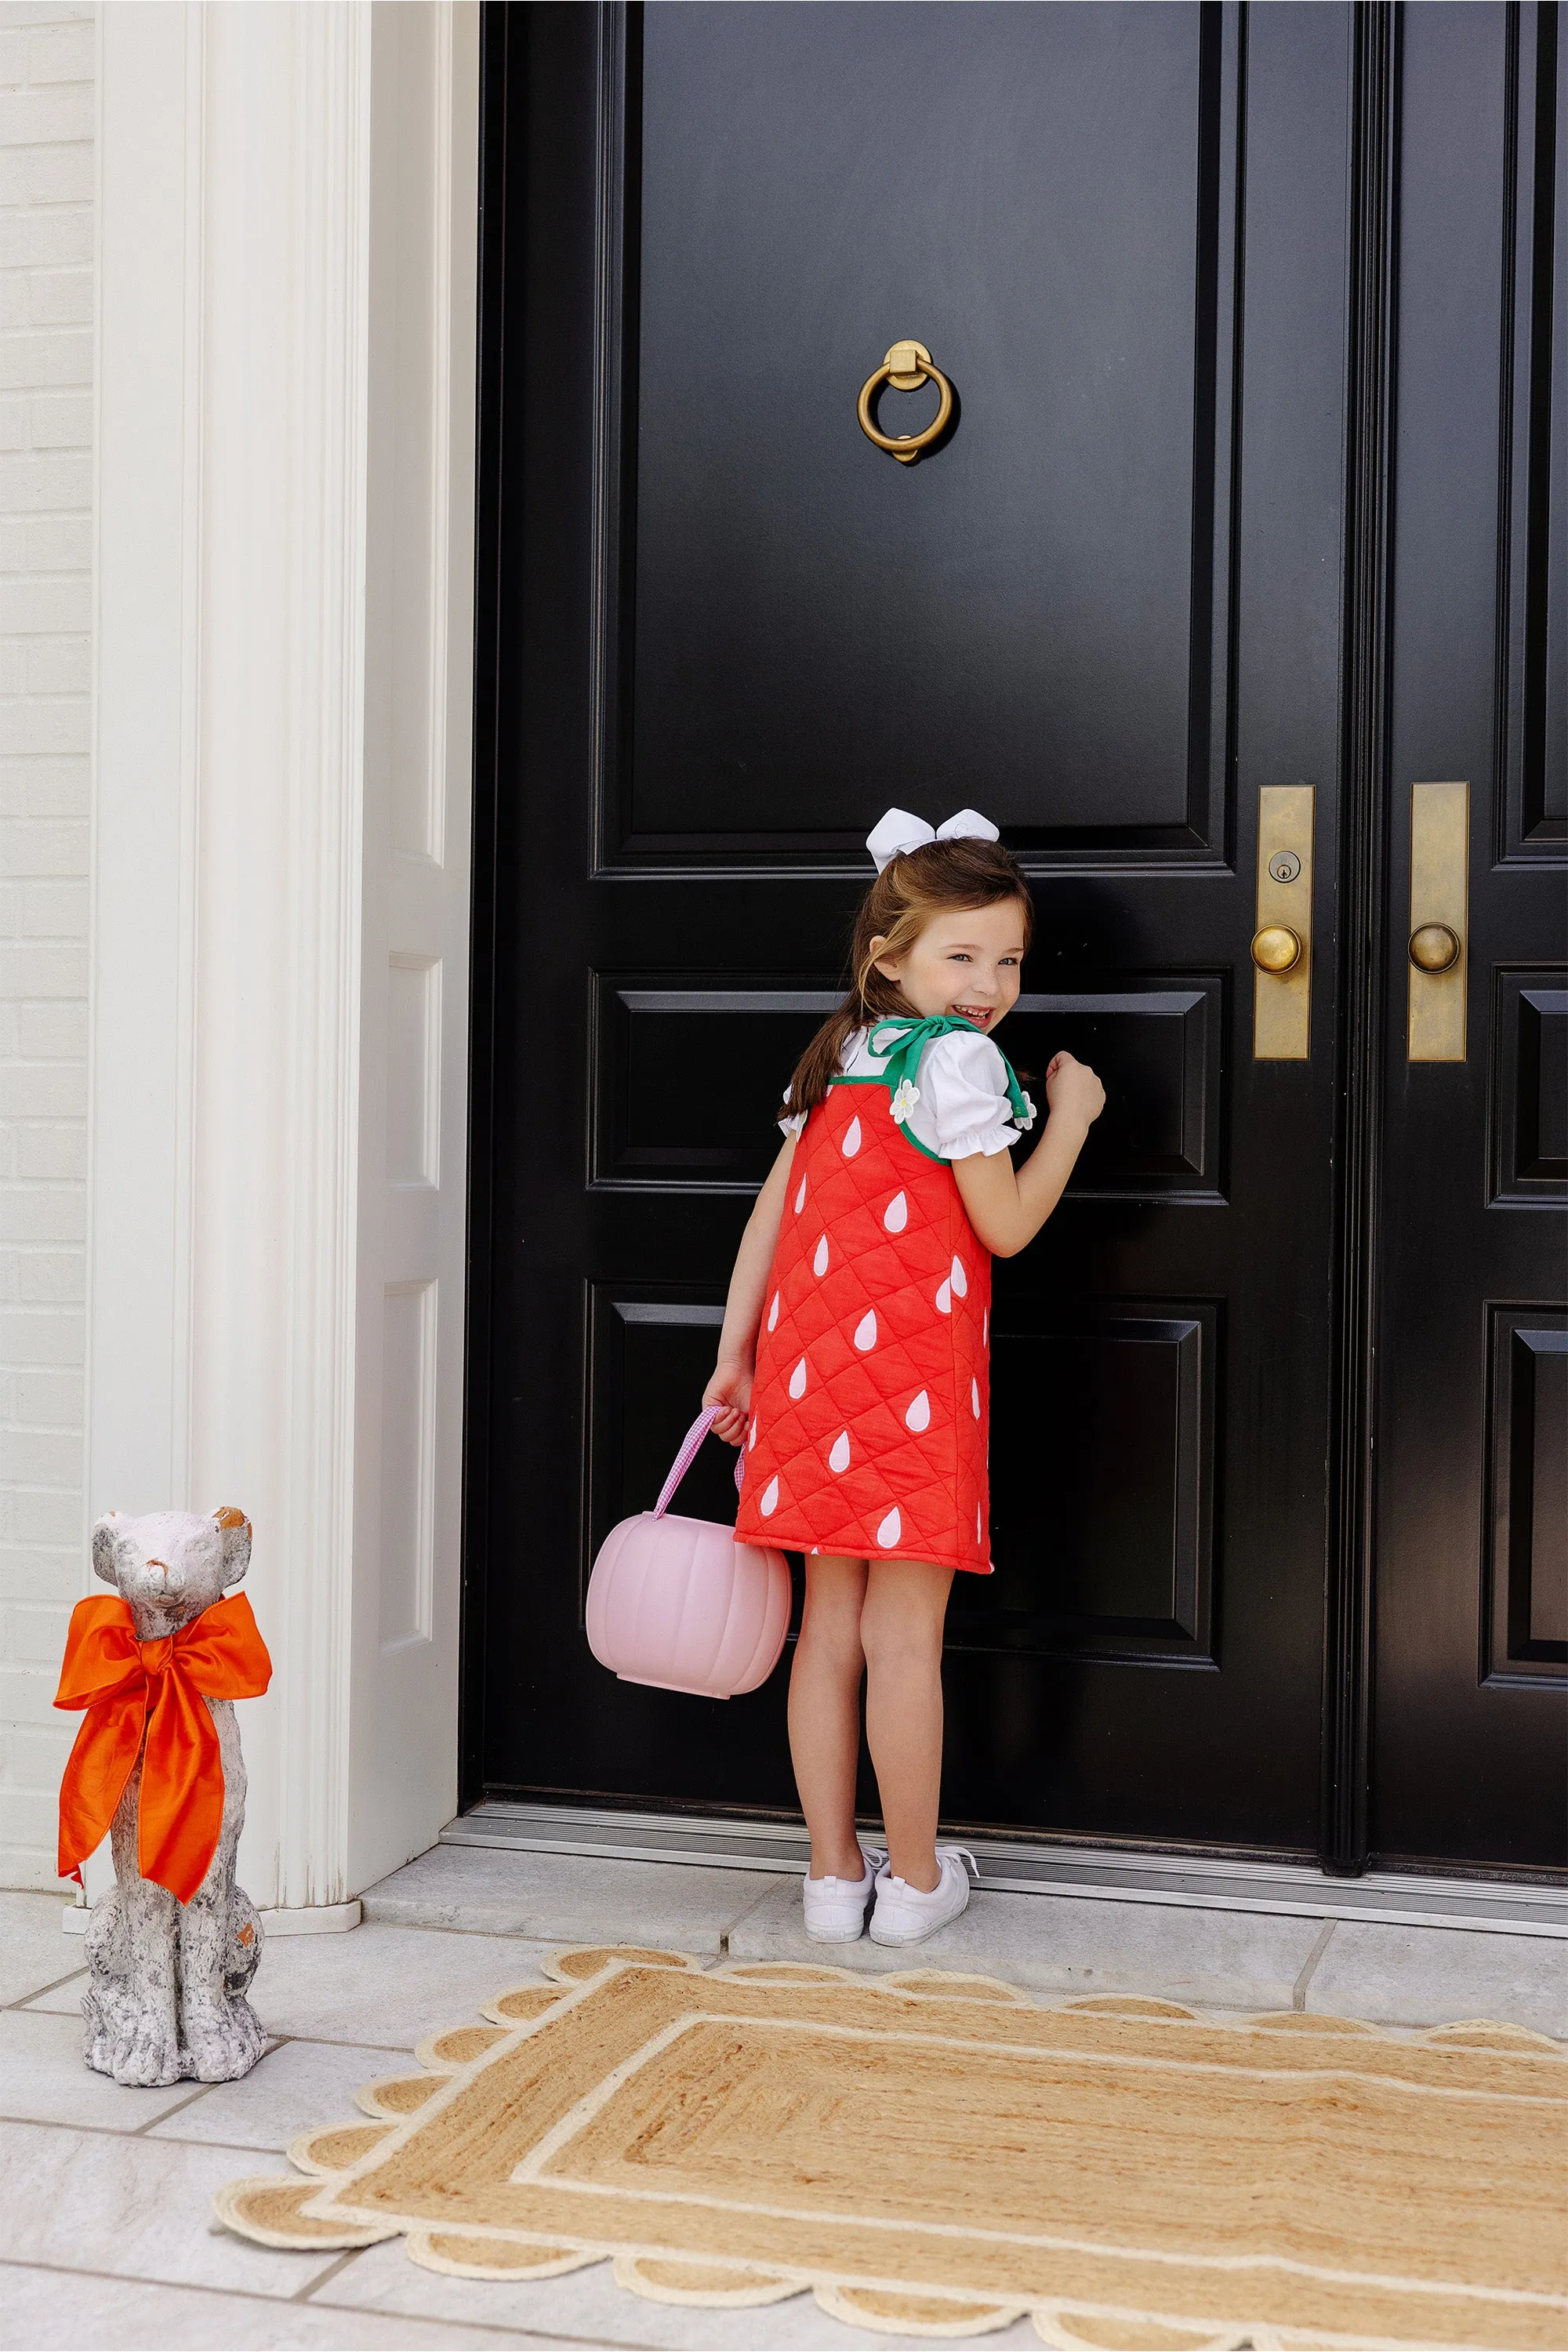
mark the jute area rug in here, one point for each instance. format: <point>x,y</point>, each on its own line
<point>937,2155</point>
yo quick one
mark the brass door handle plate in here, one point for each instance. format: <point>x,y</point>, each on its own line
<point>1278,949</point>
<point>1282,940</point>
<point>906,366</point>
<point>1439,892</point>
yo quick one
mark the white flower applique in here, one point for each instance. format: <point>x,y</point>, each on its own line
<point>905,1099</point>
<point>1024,1124</point>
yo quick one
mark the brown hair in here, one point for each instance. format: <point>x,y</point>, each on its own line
<point>939,878</point>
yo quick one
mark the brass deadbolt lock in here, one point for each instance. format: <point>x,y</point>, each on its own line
<point>1283,925</point>
<point>1277,949</point>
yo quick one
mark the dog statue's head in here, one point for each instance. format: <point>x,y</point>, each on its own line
<point>170,1565</point>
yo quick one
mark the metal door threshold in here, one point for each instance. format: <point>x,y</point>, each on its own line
<point>1096,1873</point>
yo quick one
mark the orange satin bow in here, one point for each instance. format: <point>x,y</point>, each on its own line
<point>162,1686</point>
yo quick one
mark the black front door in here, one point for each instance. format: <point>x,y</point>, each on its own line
<point>1116,608</point>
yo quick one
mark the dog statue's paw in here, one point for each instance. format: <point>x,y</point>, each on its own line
<point>223,2039</point>
<point>98,2038</point>
<point>146,2053</point>
<point>111,2021</point>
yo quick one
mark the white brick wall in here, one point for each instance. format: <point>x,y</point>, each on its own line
<point>47,55</point>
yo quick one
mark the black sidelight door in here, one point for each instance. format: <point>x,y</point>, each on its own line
<point>1120,603</point>
<point>1467,1751</point>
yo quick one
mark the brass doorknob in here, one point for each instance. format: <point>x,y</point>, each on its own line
<point>1434,948</point>
<point>1276,949</point>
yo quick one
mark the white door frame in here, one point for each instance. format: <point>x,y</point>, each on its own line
<point>285,386</point>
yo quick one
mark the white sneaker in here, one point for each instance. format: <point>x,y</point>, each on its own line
<point>905,1915</point>
<point>836,1908</point>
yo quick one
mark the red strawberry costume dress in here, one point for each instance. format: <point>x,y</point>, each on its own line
<point>870,1406</point>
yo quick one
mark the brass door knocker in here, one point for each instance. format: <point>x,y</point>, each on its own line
<point>906,367</point>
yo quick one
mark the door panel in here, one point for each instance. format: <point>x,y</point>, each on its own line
<point>1530,1088</point>
<point>1160,1049</point>
<point>1526,1531</point>
<point>1115,1420</point>
<point>1472,1672</point>
<point>728,633</point>
<point>653,1124</point>
<point>1047,198</point>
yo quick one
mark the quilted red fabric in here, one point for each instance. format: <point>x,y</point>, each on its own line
<point>871,1403</point>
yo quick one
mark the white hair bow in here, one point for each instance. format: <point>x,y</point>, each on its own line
<point>899,832</point>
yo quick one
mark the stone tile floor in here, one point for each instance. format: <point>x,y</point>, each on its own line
<point>106,2230</point>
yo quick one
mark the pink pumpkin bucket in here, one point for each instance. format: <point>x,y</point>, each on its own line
<point>679,1604</point>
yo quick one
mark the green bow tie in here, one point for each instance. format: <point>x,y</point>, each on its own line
<point>912,1036</point>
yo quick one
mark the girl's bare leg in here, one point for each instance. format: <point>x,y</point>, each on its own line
<point>825,1712</point>
<point>901,1632</point>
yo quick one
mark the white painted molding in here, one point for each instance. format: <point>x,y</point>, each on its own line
<point>146,509</point>
<point>415,989</point>
<point>230,1257</point>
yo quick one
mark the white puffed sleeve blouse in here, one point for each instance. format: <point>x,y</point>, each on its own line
<point>962,1108</point>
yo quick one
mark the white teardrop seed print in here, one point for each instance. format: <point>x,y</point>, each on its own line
<point>851,1143</point>
<point>838,1460</point>
<point>891,1528</point>
<point>974,1397</point>
<point>960,1279</point>
<point>770,1501</point>
<point>819,1263</point>
<point>797,1380</point>
<point>945,1299</point>
<point>896,1215</point>
<point>865,1330</point>
<point>918,1414</point>
<point>752,1441</point>
<point>773,1313</point>
<point>985,1328</point>
<point>800,1197</point>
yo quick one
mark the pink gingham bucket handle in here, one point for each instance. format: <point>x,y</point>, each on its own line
<point>690,1446</point>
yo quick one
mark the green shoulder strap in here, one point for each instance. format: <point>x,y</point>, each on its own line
<point>909,1038</point>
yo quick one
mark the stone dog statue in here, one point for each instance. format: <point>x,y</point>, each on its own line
<point>172,1949</point>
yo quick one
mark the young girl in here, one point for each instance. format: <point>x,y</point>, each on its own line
<point>853,1362</point>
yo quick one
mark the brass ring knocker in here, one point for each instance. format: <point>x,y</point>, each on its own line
<point>906,367</point>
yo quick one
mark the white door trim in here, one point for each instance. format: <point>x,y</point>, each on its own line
<point>248,251</point>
